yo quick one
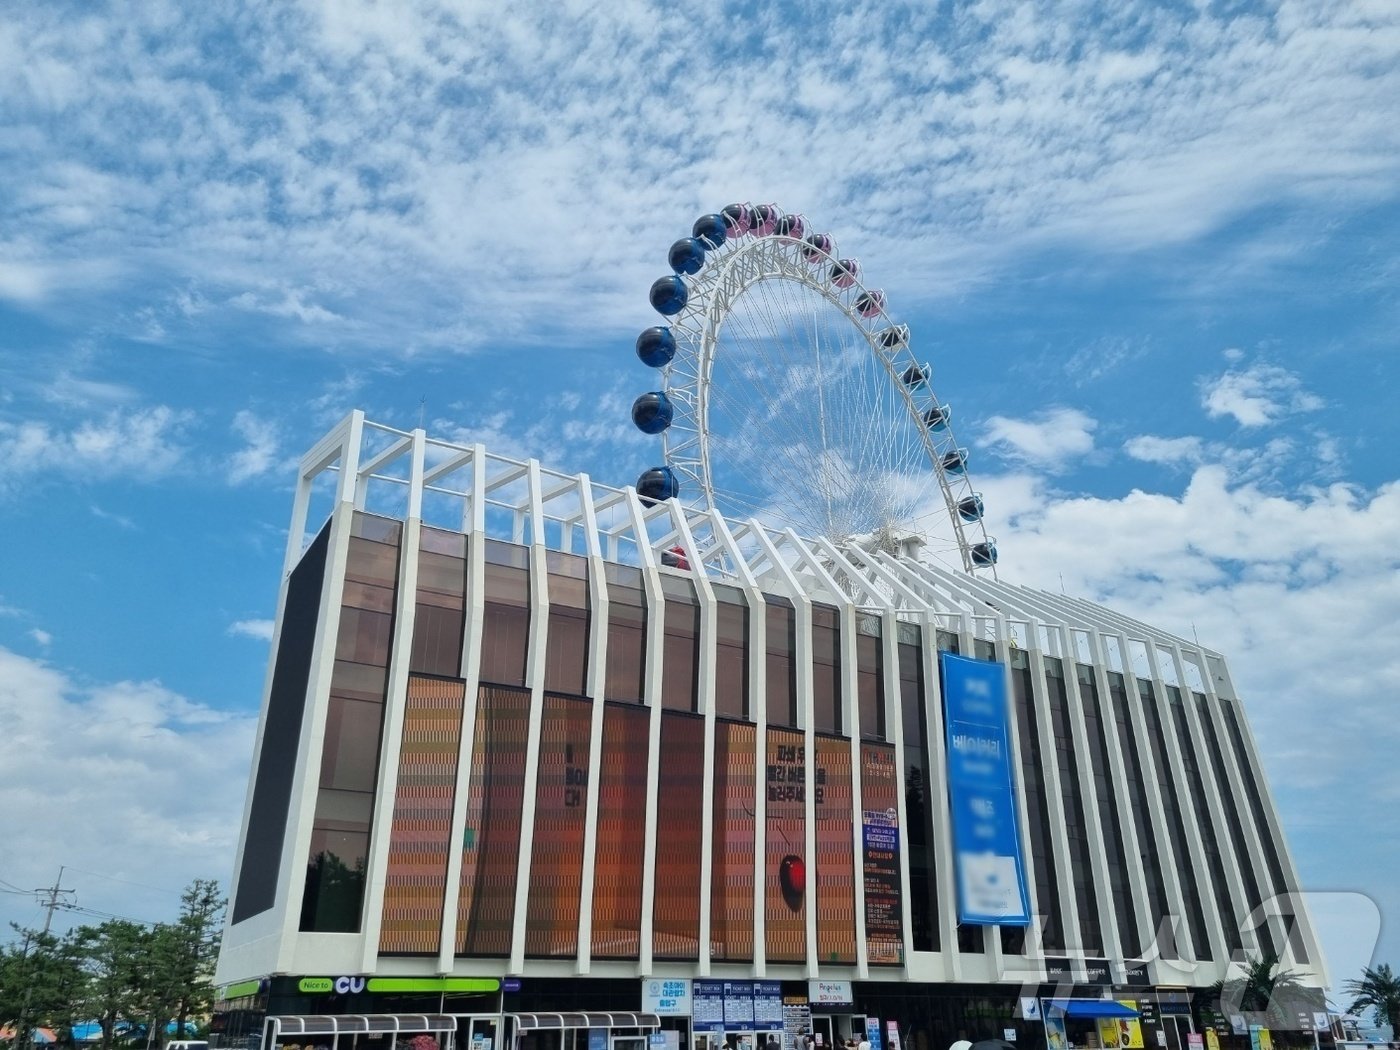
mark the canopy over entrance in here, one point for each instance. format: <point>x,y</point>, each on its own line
<point>359,1024</point>
<point>538,1022</point>
<point>1091,1008</point>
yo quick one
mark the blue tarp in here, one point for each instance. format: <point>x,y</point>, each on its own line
<point>1091,1008</point>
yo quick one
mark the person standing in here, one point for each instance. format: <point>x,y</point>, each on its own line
<point>864,1043</point>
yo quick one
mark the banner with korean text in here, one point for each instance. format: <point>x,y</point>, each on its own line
<point>990,870</point>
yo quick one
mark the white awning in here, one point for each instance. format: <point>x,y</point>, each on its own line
<point>349,1024</point>
<point>535,1022</point>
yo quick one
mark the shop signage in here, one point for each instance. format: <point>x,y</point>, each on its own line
<point>707,1006</point>
<point>830,993</point>
<point>797,1021</point>
<point>872,1032</point>
<point>1212,1039</point>
<point>1057,970</point>
<point>884,923</point>
<point>1135,974</point>
<point>666,998</point>
<point>1195,1041</point>
<point>510,984</point>
<point>1096,971</point>
<point>331,985</point>
<point>1030,1008</point>
<point>738,1004</point>
<point>991,876</point>
<point>767,1006</point>
<point>381,985</point>
<point>434,984</point>
<point>892,1028</point>
<point>597,1039</point>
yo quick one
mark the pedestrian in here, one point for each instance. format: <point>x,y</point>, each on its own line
<point>864,1043</point>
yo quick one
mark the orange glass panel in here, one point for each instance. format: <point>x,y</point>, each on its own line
<point>491,841</point>
<point>556,865</point>
<point>415,880</point>
<point>835,866</point>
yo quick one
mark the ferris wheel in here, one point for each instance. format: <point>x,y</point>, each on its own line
<point>789,394</point>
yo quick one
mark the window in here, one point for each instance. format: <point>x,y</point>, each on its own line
<point>680,658</point>
<point>505,629</point>
<point>870,678</point>
<point>731,653</point>
<point>782,667</point>
<point>627,634</point>
<point>826,668</point>
<point>566,649</point>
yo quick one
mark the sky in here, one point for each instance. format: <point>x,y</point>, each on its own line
<point>1152,251</point>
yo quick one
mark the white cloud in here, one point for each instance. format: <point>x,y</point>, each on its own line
<point>1257,395</point>
<point>259,629</point>
<point>1152,449</point>
<point>1298,592</point>
<point>119,520</point>
<point>168,771</point>
<point>509,167</point>
<point>22,282</point>
<point>1049,441</point>
<point>260,453</point>
<point>41,637</point>
<point>140,443</point>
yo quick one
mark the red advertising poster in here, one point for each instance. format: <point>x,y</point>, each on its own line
<point>556,863</point>
<point>785,870</point>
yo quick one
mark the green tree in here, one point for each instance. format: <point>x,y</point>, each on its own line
<point>117,958</point>
<point>1378,989</point>
<point>38,976</point>
<point>1264,992</point>
<point>183,954</point>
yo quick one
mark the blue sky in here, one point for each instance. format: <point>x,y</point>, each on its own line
<point>1150,249</point>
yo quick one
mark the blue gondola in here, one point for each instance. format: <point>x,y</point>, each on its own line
<point>709,230</point>
<point>984,554</point>
<point>916,375</point>
<point>652,412</point>
<point>895,337</point>
<point>687,255</point>
<point>668,295</point>
<point>657,484</point>
<point>656,346</point>
<point>937,416</point>
<point>970,508</point>
<point>955,462</point>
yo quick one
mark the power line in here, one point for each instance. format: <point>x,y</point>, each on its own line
<point>128,882</point>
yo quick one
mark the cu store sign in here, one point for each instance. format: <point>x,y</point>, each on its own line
<point>332,985</point>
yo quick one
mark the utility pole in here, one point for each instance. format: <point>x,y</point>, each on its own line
<point>23,1038</point>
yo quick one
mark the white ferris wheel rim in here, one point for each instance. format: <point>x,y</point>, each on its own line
<point>736,268</point>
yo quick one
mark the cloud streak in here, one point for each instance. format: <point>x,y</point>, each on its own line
<point>507,166</point>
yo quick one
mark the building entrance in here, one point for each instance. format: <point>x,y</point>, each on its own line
<point>1177,1027</point>
<point>836,1030</point>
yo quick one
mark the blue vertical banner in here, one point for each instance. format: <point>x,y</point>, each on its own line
<point>991,874</point>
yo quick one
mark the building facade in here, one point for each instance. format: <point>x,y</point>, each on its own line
<point>531,747</point>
